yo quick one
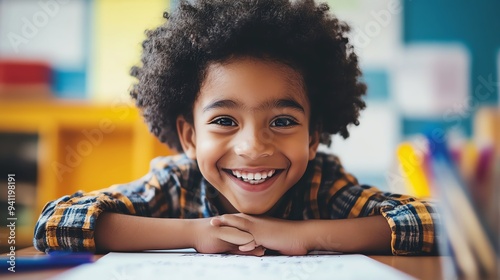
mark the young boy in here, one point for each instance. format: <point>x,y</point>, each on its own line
<point>246,90</point>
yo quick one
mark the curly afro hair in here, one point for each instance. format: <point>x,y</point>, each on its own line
<point>301,34</point>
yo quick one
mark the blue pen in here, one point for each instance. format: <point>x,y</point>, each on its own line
<point>54,259</point>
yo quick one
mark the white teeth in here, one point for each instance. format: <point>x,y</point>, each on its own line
<point>256,182</point>
<point>236,173</point>
<point>253,178</point>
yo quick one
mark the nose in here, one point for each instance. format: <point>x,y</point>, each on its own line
<point>254,143</point>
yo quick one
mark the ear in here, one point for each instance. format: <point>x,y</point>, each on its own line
<point>313,144</point>
<point>187,136</point>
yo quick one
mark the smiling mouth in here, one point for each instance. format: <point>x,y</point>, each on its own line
<point>253,178</point>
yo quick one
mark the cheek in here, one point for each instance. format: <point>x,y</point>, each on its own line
<point>299,162</point>
<point>209,151</point>
<point>296,146</point>
<point>297,151</point>
<point>205,152</point>
<point>210,148</point>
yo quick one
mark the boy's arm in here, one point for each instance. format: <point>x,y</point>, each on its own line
<point>118,232</point>
<point>93,222</point>
<point>367,234</point>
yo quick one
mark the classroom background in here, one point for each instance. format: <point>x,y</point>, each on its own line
<point>67,123</point>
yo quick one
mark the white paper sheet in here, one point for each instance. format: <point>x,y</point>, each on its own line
<point>191,265</point>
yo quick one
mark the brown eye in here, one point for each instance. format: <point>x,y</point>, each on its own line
<point>283,122</point>
<point>223,122</point>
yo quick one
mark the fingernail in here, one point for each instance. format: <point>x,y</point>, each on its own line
<point>245,248</point>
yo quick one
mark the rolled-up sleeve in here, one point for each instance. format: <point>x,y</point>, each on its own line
<point>413,223</point>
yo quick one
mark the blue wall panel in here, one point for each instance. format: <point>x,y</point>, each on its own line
<point>476,24</point>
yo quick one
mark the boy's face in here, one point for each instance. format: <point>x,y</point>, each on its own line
<point>251,132</point>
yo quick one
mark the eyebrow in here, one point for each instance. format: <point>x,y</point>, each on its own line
<point>277,103</point>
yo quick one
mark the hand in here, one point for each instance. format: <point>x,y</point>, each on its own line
<point>222,239</point>
<point>286,237</point>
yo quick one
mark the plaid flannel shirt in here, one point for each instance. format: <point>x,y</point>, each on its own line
<point>175,188</point>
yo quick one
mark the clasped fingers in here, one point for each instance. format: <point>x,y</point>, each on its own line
<point>235,236</point>
<point>237,223</point>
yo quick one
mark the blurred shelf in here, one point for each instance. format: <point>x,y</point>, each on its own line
<point>82,146</point>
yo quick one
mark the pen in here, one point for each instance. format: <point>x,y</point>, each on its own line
<point>53,259</point>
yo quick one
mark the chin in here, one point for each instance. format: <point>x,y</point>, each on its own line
<point>252,210</point>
